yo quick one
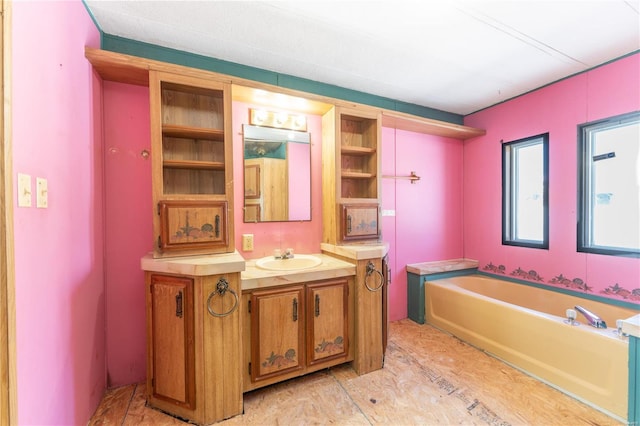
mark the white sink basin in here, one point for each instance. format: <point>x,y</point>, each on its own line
<point>299,261</point>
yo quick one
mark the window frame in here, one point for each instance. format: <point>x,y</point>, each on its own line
<point>509,225</point>
<point>584,224</point>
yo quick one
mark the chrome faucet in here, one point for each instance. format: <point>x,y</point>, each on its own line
<point>592,318</point>
<point>288,254</point>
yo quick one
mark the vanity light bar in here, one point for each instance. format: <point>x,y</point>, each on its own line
<point>280,120</point>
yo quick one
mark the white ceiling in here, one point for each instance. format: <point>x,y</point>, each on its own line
<point>457,56</point>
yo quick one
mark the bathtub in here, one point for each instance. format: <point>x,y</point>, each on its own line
<point>524,326</point>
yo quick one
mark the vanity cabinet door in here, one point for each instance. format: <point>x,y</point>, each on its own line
<point>277,332</point>
<point>359,222</point>
<point>327,318</point>
<point>171,340</point>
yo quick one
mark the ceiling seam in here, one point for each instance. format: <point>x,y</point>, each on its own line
<point>518,35</point>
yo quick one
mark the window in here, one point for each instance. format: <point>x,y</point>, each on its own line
<point>525,193</point>
<point>609,186</point>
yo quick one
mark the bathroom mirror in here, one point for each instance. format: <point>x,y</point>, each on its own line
<point>277,174</point>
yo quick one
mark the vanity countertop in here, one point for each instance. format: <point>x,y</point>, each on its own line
<point>357,251</point>
<point>214,264</point>
<point>255,278</point>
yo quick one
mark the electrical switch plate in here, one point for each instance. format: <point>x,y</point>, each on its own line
<point>42,198</point>
<point>388,212</point>
<point>24,190</point>
<point>247,242</point>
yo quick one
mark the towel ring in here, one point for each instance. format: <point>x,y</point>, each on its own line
<point>370,270</point>
<point>222,287</point>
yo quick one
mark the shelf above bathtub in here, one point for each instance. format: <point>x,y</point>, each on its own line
<point>631,326</point>
<point>441,266</point>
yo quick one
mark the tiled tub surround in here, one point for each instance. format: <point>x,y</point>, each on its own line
<point>525,327</point>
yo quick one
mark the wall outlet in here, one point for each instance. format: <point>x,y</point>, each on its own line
<point>247,242</point>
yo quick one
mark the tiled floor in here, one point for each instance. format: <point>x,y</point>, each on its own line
<point>429,378</point>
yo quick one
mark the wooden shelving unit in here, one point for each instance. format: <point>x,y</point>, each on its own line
<point>192,165</point>
<point>351,168</point>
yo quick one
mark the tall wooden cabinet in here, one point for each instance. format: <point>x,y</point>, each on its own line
<point>192,161</point>
<point>194,349</point>
<point>351,175</point>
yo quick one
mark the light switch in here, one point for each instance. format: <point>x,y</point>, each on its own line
<point>42,199</point>
<point>24,190</point>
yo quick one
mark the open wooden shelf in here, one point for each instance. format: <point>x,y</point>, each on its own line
<point>358,150</point>
<point>190,164</point>
<point>357,175</point>
<point>129,69</point>
<point>178,131</point>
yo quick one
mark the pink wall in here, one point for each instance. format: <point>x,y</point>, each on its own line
<point>60,318</point>
<point>129,231</point>
<point>427,225</point>
<point>558,109</point>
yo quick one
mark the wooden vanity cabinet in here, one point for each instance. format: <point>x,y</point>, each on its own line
<point>192,157</point>
<point>194,346</point>
<point>351,165</point>
<point>294,330</point>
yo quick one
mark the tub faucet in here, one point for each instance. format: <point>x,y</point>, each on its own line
<point>592,318</point>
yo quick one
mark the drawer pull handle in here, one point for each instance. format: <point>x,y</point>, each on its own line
<point>317,310</point>
<point>295,309</point>
<point>179,304</point>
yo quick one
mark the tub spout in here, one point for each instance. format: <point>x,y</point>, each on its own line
<point>592,318</point>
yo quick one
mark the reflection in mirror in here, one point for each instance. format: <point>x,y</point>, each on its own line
<point>277,174</point>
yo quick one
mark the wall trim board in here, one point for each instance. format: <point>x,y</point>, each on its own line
<point>8,350</point>
<point>150,51</point>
